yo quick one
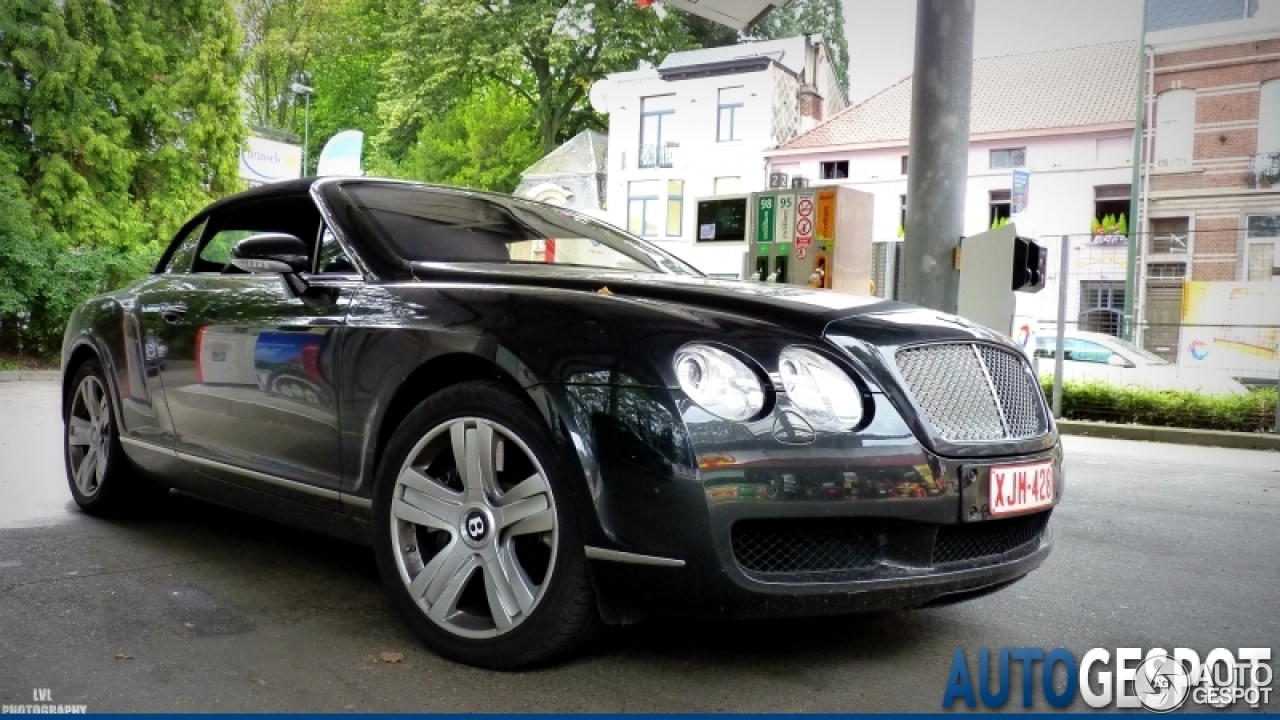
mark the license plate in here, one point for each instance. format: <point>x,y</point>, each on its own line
<point>1016,489</point>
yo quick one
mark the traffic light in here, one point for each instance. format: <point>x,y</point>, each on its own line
<point>1030,261</point>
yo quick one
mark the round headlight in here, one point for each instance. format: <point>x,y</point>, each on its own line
<point>718,382</point>
<point>820,390</point>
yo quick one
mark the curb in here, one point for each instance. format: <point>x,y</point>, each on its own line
<point>29,375</point>
<point>1180,436</point>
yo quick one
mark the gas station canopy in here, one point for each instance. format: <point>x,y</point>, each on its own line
<point>737,14</point>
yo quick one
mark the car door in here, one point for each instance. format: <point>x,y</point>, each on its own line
<point>250,363</point>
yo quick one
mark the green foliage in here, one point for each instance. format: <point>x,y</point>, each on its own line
<point>548,52</point>
<point>118,119</point>
<point>999,222</point>
<point>812,17</point>
<point>1253,412</point>
<point>280,42</point>
<point>1122,225</point>
<point>707,33</point>
<point>484,142</point>
<point>346,71</point>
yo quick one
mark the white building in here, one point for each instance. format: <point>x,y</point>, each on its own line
<point>697,127</point>
<point>1064,116</point>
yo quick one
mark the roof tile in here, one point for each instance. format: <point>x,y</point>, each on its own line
<point>1081,86</point>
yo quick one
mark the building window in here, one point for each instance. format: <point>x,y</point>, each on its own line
<point>728,185</point>
<point>1000,207</point>
<point>904,163</point>
<point>1263,235</point>
<point>1110,210</point>
<point>656,116</point>
<point>675,208</point>
<point>902,216</point>
<point>1269,117</point>
<point>1169,235</point>
<point>834,170</point>
<point>728,128</point>
<point>1175,129</point>
<point>1102,306</point>
<point>643,211</point>
<point>1008,158</point>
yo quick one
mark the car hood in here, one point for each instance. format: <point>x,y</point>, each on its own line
<point>817,313</point>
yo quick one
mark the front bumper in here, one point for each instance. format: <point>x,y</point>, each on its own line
<point>676,484</point>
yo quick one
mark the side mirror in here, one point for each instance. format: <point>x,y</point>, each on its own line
<point>1117,360</point>
<point>271,253</point>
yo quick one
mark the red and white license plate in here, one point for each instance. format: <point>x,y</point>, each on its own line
<point>1015,489</point>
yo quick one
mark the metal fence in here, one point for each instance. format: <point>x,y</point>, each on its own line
<point>1193,347</point>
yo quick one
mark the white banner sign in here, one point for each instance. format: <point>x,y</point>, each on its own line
<point>268,161</point>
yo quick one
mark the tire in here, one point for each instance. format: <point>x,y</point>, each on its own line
<point>483,561</point>
<point>102,481</point>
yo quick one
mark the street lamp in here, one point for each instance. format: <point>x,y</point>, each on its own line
<point>300,89</point>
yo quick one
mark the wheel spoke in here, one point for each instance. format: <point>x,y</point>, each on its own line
<point>502,601</point>
<point>473,453</point>
<point>442,593</point>
<point>88,400</point>
<point>524,591</point>
<point>450,558</point>
<point>533,485</point>
<point>509,516</point>
<point>422,510</point>
<point>423,495</point>
<point>87,469</point>
<point>79,432</point>
<point>104,415</point>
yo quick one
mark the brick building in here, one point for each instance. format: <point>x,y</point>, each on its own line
<point>1211,158</point>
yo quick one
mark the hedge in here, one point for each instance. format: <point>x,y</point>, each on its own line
<point>1098,401</point>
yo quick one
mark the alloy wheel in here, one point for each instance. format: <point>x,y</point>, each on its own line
<point>474,524</point>
<point>89,436</point>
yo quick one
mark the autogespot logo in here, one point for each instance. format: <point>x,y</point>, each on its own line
<point>1198,349</point>
<point>1157,680</point>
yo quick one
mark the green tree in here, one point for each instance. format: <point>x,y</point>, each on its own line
<point>484,142</point>
<point>347,71</point>
<point>281,38</point>
<point>812,17</point>
<point>548,52</point>
<point>708,33</point>
<point>118,119</point>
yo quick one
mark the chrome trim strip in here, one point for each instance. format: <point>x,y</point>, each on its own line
<point>596,553</point>
<point>146,445</point>
<point>357,502</point>
<point>991,384</point>
<point>261,477</point>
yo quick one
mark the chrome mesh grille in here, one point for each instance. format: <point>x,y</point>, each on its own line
<point>973,392</point>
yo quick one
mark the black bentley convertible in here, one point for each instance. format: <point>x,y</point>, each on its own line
<point>541,423</point>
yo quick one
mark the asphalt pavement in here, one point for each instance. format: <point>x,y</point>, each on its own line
<point>211,610</point>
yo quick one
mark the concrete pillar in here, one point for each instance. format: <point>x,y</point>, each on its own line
<point>941,88</point>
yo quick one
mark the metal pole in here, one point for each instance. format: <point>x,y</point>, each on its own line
<point>941,88</point>
<point>1135,230</point>
<point>306,133</point>
<point>1064,267</point>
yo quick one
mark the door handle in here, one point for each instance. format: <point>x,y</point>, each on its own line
<point>175,313</point>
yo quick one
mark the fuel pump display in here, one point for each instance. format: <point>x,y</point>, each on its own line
<point>819,238</point>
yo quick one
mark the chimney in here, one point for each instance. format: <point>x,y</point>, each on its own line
<point>810,99</point>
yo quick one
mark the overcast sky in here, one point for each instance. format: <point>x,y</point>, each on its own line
<point>881,32</point>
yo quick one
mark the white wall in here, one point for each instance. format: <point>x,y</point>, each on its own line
<point>1064,171</point>
<point>769,116</point>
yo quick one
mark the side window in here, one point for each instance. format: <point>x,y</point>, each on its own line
<point>330,258</point>
<point>1045,346</point>
<point>185,253</point>
<point>218,250</point>
<point>295,215</point>
<point>1083,351</point>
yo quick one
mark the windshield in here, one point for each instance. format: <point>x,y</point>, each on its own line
<point>425,224</point>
